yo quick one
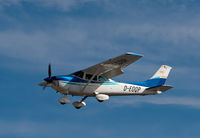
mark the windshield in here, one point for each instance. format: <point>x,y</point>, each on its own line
<point>78,74</point>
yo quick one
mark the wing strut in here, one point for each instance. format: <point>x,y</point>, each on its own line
<point>96,73</point>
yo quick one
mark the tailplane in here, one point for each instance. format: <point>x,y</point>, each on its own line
<point>162,88</point>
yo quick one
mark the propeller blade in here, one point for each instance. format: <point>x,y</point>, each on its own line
<point>49,70</point>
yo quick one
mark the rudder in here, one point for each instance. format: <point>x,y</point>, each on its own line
<point>158,79</point>
<point>162,72</point>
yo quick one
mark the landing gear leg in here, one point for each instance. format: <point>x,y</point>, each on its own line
<point>83,98</point>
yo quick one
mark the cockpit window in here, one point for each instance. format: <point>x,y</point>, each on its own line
<point>102,78</point>
<point>78,74</point>
<point>95,78</point>
<point>88,76</point>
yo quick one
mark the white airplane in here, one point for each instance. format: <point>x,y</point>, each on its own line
<point>96,81</point>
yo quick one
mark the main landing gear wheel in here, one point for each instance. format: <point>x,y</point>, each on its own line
<point>80,104</point>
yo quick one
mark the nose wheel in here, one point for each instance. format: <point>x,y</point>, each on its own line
<point>64,100</point>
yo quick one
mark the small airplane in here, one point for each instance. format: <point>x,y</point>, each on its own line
<point>96,81</point>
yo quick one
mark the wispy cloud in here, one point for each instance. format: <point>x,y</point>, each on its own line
<point>64,5</point>
<point>110,5</point>
<point>173,33</point>
<point>52,129</point>
<point>116,34</point>
<point>74,34</point>
<point>182,101</point>
<point>92,39</point>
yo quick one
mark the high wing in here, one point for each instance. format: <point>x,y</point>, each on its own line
<point>113,66</point>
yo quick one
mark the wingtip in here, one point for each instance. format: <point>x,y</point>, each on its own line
<point>134,54</point>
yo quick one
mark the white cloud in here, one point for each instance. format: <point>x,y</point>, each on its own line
<point>70,35</point>
<point>17,128</point>
<point>94,38</point>
<point>59,45</point>
<point>64,5</point>
<point>61,4</point>
<point>9,2</point>
<point>160,100</point>
<point>51,129</point>
<point>168,33</point>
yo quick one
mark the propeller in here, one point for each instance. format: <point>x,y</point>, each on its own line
<point>49,79</point>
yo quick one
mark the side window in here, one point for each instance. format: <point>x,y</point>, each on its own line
<point>88,76</point>
<point>102,78</point>
<point>95,78</point>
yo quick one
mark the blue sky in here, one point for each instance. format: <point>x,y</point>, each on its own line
<point>75,34</point>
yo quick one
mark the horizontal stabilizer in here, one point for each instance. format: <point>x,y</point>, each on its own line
<point>162,88</point>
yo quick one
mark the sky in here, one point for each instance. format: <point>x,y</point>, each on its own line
<point>75,34</point>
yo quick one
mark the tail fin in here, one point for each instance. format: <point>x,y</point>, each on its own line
<point>162,72</point>
<point>158,79</point>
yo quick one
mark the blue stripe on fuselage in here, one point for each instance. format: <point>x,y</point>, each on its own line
<point>150,83</point>
<point>73,80</point>
<point>76,80</point>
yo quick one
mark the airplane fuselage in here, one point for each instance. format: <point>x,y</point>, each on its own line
<point>72,85</point>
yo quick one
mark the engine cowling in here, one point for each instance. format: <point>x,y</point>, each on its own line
<point>102,97</point>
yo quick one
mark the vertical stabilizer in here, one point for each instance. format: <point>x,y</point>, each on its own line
<point>158,79</point>
<point>162,72</point>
